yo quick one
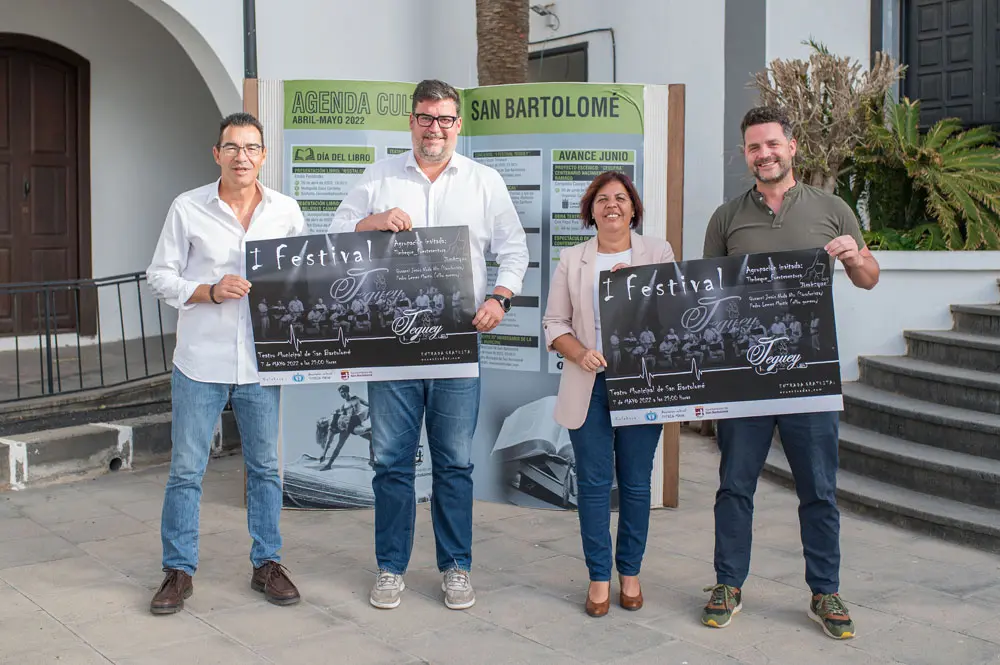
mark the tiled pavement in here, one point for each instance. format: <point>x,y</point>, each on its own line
<point>78,564</point>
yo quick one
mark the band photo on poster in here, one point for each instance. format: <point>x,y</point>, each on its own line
<point>360,306</point>
<point>716,338</point>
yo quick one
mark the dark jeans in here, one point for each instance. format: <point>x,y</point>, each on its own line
<point>450,408</point>
<point>810,443</point>
<point>602,451</point>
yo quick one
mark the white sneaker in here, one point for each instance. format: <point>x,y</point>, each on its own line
<point>457,587</point>
<point>387,590</point>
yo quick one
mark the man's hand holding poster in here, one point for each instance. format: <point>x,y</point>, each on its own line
<point>721,338</point>
<point>364,306</point>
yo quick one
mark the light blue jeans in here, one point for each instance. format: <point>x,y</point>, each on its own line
<point>196,407</point>
<point>397,409</point>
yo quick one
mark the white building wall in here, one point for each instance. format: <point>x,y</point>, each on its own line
<point>843,26</point>
<point>320,39</point>
<point>153,122</point>
<point>211,33</point>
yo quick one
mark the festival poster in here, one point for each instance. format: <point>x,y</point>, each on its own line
<point>721,338</point>
<point>363,306</point>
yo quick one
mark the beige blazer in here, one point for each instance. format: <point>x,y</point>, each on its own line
<point>570,310</point>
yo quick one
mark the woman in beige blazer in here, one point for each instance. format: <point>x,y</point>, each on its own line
<point>573,328</point>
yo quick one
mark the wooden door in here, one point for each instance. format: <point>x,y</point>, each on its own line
<point>44,228</point>
<point>947,48</point>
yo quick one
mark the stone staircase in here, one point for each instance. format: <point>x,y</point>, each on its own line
<point>920,433</point>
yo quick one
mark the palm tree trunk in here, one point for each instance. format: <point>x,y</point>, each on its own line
<point>502,34</point>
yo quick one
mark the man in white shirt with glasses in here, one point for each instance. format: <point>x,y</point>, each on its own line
<point>433,186</point>
<point>199,267</point>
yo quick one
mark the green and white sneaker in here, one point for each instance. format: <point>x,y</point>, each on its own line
<point>386,594</point>
<point>829,611</point>
<point>724,603</point>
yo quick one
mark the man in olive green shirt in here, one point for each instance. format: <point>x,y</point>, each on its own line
<point>779,214</point>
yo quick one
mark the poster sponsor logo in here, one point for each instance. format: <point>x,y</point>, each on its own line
<point>298,378</point>
<point>345,374</point>
<point>651,416</point>
<point>703,411</point>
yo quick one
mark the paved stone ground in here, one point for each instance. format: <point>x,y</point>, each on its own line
<point>78,564</point>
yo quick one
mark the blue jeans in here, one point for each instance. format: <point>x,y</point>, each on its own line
<point>196,407</point>
<point>810,443</point>
<point>601,452</point>
<point>397,409</point>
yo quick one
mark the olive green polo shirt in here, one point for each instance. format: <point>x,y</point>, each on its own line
<point>809,218</point>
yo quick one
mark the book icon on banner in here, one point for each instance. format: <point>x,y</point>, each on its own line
<point>536,455</point>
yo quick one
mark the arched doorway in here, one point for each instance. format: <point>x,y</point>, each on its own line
<point>44,176</point>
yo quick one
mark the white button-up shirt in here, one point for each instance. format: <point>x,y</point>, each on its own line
<point>467,193</point>
<point>202,240</point>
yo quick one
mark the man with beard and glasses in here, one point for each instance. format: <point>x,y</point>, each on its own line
<point>431,186</point>
<point>779,213</point>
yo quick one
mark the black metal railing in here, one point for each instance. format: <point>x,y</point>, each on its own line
<point>69,336</point>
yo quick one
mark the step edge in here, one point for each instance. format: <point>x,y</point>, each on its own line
<point>955,338</point>
<point>983,525</point>
<point>894,452</point>
<point>948,374</point>
<point>990,309</point>
<point>915,413</point>
<point>58,433</point>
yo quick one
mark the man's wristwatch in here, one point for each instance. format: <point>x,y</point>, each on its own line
<point>504,301</point>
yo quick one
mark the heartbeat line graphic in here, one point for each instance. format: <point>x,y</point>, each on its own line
<point>341,337</point>
<point>294,340</point>
<point>647,376</point>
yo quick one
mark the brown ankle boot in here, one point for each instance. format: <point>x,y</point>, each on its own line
<point>272,580</point>
<point>177,585</point>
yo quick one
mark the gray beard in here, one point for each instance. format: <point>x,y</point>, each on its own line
<point>443,156</point>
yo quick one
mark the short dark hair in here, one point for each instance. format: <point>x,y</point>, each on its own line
<point>241,119</point>
<point>434,90</point>
<point>587,201</point>
<point>762,115</point>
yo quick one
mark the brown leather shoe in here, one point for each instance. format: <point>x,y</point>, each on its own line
<point>177,585</point>
<point>631,603</point>
<point>595,609</point>
<point>272,580</point>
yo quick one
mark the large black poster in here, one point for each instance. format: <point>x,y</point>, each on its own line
<point>366,306</point>
<point>721,338</point>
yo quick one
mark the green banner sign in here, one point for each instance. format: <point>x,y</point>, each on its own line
<point>530,108</point>
<point>333,154</point>
<point>367,105</point>
<point>553,108</point>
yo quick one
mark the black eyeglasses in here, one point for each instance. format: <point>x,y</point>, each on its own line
<point>443,121</point>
